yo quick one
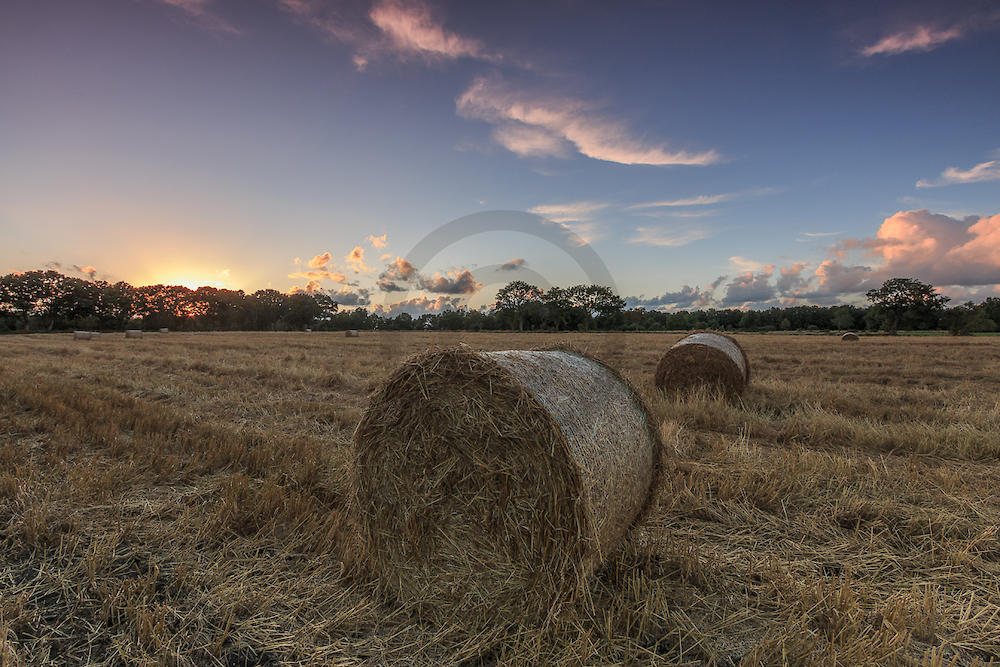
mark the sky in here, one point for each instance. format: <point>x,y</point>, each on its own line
<point>691,154</point>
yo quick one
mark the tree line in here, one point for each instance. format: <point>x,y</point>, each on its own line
<point>52,301</point>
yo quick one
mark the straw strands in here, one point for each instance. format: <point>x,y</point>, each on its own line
<point>704,360</point>
<point>490,485</point>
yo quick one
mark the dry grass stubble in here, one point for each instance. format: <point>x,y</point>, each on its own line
<point>183,500</point>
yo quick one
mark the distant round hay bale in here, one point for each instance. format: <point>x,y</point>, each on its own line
<point>164,330</point>
<point>82,335</point>
<point>850,335</point>
<point>351,333</point>
<point>490,485</point>
<point>133,333</point>
<point>704,360</point>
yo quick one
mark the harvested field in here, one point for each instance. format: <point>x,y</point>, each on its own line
<point>184,499</point>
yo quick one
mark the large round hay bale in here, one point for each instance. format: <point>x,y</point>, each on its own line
<point>164,330</point>
<point>490,485</point>
<point>704,360</point>
<point>81,335</point>
<point>133,333</point>
<point>351,333</point>
<point>850,335</point>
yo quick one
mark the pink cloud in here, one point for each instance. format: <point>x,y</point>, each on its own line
<point>329,19</point>
<point>378,241</point>
<point>918,38</point>
<point>320,274</point>
<point>411,29</point>
<point>530,140</point>
<point>931,247</point>
<point>389,27</point>
<point>311,287</point>
<point>199,11</point>
<point>399,269</point>
<point>565,119</point>
<point>356,260</point>
<point>319,261</point>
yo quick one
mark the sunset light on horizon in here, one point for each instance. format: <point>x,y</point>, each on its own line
<point>728,155</point>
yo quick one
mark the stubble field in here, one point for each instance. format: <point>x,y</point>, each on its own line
<point>183,499</point>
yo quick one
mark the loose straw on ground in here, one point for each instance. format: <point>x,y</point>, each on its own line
<point>490,485</point>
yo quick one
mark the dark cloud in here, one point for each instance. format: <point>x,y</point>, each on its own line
<point>399,270</point>
<point>418,306</point>
<point>791,279</point>
<point>345,297</point>
<point>685,298</point>
<point>88,271</point>
<point>454,283</point>
<point>750,287</point>
<point>389,286</point>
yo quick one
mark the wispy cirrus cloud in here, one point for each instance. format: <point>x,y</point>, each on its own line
<point>411,29</point>
<point>201,13</point>
<point>984,171</point>
<point>570,211</point>
<point>390,28</point>
<point>915,38</point>
<point>555,122</point>
<point>656,236</point>
<point>705,200</point>
<point>576,218</point>
<point>700,200</point>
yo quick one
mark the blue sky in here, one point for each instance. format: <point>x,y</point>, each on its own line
<point>783,153</point>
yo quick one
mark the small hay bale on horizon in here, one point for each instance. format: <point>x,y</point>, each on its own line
<point>82,335</point>
<point>164,330</point>
<point>704,359</point>
<point>850,335</point>
<point>490,485</point>
<point>133,333</point>
<point>351,333</point>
